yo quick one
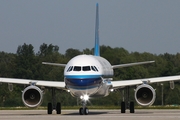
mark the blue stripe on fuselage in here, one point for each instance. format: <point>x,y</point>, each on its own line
<point>83,80</point>
<point>82,76</point>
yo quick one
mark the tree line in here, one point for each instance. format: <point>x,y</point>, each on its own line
<point>27,64</point>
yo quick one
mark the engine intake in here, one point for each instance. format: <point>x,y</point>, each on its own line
<point>145,95</point>
<point>32,96</point>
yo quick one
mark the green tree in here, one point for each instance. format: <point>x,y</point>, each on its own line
<point>25,62</point>
<point>70,53</point>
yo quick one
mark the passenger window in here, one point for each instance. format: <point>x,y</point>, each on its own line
<point>86,68</point>
<point>77,68</point>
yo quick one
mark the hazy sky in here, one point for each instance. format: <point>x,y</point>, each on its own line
<point>136,25</point>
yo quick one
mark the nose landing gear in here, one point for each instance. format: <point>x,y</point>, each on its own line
<point>84,110</point>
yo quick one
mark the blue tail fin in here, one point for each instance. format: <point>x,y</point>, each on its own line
<point>96,47</point>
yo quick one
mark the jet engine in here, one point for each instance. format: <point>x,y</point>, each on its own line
<point>32,96</point>
<point>145,95</point>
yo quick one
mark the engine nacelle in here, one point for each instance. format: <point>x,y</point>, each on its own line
<point>145,95</point>
<point>32,96</point>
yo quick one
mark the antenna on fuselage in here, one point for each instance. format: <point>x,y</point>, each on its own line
<point>96,47</point>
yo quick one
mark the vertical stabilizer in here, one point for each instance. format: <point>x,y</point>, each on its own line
<point>96,47</point>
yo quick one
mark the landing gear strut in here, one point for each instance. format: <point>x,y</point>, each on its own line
<point>126,104</point>
<point>53,106</point>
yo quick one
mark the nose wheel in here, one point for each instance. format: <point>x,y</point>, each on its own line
<point>83,111</point>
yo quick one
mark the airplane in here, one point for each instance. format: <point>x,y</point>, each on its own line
<point>90,76</point>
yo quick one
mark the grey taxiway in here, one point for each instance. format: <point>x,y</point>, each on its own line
<point>140,114</point>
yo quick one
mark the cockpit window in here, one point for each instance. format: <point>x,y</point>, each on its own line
<point>70,69</point>
<point>77,68</point>
<point>86,68</point>
<point>83,68</point>
<point>94,68</point>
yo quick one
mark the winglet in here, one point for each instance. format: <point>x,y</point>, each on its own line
<point>96,47</point>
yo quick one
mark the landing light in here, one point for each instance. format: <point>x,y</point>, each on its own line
<point>84,97</point>
<point>81,97</point>
<point>112,90</point>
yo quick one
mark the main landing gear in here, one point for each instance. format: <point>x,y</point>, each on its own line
<point>126,104</point>
<point>53,106</point>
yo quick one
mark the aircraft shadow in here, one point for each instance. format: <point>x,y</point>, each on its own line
<point>90,113</point>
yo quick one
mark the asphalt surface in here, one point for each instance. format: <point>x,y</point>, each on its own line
<point>143,114</point>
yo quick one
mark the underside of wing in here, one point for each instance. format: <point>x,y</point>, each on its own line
<point>124,83</point>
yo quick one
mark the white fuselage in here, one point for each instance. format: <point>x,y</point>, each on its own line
<point>88,74</point>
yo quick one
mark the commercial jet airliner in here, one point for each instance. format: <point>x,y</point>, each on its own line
<point>89,76</point>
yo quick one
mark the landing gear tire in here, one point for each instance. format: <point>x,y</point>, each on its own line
<point>123,109</point>
<point>131,107</point>
<point>58,108</point>
<point>49,109</point>
<point>86,111</point>
<point>81,111</point>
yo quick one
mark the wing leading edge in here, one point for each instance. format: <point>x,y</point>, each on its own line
<point>55,84</point>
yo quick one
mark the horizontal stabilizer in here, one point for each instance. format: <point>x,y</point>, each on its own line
<point>55,64</point>
<point>132,64</point>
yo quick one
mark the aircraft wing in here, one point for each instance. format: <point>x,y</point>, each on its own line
<point>55,84</point>
<point>124,83</point>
